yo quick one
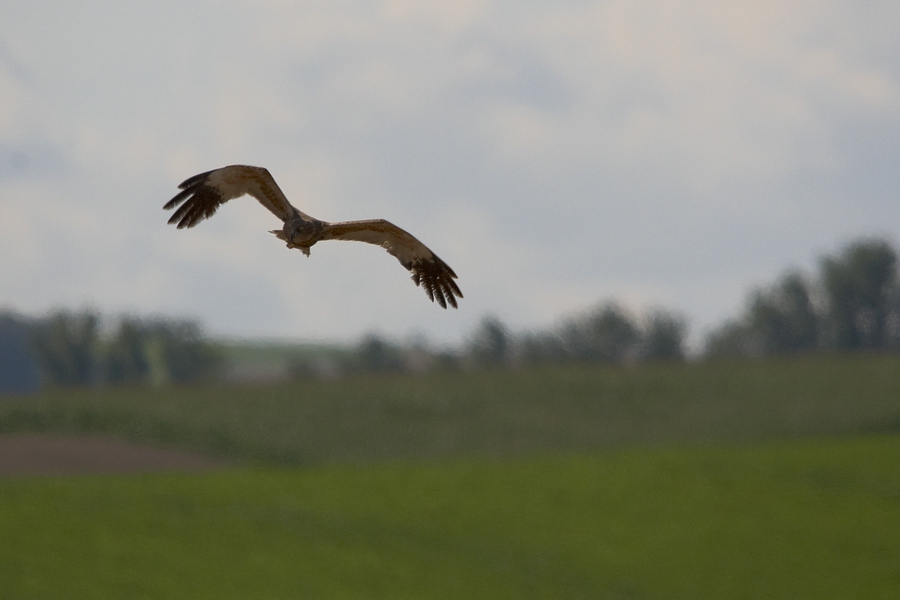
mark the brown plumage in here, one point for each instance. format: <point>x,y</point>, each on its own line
<point>202,195</point>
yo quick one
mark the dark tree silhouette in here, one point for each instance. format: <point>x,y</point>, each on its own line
<point>18,369</point>
<point>606,334</point>
<point>66,346</point>
<point>861,287</point>
<point>491,343</point>
<point>783,318</point>
<point>663,336</point>
<point>855,304</point>
<point>377,354</point>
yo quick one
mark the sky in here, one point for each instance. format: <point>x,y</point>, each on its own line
<point>554,154</point>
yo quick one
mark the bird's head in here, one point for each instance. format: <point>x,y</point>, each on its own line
<point>302,232</point>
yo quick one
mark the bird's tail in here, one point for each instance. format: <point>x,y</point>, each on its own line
<point>279,233</point>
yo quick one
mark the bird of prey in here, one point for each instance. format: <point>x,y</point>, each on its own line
<point>202,194</point>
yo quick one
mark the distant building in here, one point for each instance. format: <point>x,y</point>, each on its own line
<point>18,368</point>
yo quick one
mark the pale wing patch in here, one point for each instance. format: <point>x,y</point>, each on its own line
<point>238,180</point>
<point>202,194</point>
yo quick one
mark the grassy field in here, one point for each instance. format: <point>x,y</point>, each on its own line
<point>814,518</point>
<point>767,479</point>
<point>503,413</point>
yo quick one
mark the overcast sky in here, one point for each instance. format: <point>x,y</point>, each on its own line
<point>555,154</point>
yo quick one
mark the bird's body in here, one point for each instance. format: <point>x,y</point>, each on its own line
<point>202,195</point>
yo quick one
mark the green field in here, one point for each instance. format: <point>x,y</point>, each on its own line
<point>803,519</point>
<point>768,479</point>
<point>498,414</point>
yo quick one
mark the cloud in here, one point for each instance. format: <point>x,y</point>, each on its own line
<point>553,154</point>
<point>701,93</point>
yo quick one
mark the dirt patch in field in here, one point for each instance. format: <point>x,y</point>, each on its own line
<point>42,454</point>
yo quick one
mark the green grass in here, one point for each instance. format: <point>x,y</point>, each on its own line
<point>498,414</point>
<point>753,479</point>
<point>816,518</point>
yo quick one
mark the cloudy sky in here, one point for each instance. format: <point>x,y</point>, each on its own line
<point>553,153</point>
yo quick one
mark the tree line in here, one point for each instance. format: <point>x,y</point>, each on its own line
<point>852,303</point>
<point>607,333</point>
<point>67,348</point>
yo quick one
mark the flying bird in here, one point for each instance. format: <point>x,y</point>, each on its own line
<point>201,195</point>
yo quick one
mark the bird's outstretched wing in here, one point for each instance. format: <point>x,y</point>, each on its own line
<point>427,269</point>
<point>202,194</point>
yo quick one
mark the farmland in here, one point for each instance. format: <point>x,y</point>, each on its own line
<point>500,413</point>
<point>749,479</point>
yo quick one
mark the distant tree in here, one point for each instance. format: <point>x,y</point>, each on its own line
<point>783,318</point>
<point>18,369</point>
<point>663,336</point>
<point>491,343</point>
<point>125,356</point>
<point>178,351</point>
<point>606,334</point>
<point>780,319</point>
<point>70,350</point>
<point>861,290</point>
<point>854,305</point>
<point>733,339</point>
<point>66,347</point>
<point>540,347</point>
<point>377,354</point>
